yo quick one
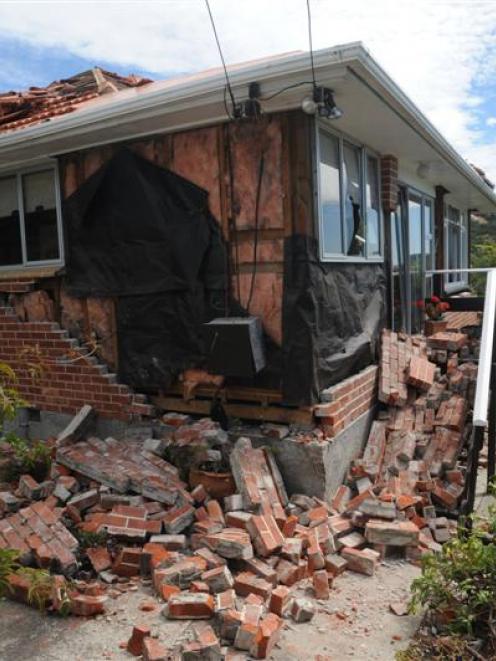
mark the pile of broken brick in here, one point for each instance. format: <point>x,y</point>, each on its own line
<point>235,561</point>
<point>411,469</point>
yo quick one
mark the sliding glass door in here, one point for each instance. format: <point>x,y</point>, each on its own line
<point>412,254</point>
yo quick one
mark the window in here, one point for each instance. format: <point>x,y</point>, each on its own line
<point>412,256</point>
<point>348,200</point>
<point>456,247</point>
<point>30,224</point>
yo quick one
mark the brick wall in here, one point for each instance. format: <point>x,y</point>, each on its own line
<point>347,401</point>
<point>67,379</point>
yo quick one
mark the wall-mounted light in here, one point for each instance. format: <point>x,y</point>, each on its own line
<point>321,103</point>
<point>423,170</point>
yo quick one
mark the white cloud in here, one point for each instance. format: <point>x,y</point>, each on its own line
<point>491,121</point>
<point>436,50</point>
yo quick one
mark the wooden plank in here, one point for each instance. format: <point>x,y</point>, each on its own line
<point>302,416</point>
<point>241,393</point>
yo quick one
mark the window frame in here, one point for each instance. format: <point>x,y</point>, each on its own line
<point>18,175</point>
<point>364,153</point>
<point>462,226</point>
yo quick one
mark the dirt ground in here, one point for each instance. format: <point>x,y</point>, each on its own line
<point>355,623</point>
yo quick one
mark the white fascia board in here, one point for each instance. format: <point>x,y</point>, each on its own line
<point>182,95</point>
<point>414,116</point>
<point>196,92</point>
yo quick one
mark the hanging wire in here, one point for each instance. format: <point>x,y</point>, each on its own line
<point>309,14</point>
<point>261,167</point>
<point>228,82</point>
<point>285,89</point>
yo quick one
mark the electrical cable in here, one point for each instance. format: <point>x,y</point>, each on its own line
<point>228,83</point>
<point>232,215</point>
<point>309,15</point>
<point>285,89</point>
<point>261,167</point>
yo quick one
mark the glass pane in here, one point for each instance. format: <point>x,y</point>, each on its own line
<point>415,262</point>
<point>332,233</point>
<point>40,216</point>
<point>454,251</point>
<point>354,226</point>
<point>397,272</point>
<point>373,210</point>
<point>10,231</point>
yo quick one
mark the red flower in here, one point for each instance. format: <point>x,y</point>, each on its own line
<point>444,306</point>
<point>435,299</point>
<point>420,304</point>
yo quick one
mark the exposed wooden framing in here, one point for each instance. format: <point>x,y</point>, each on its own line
<point>301,174</point>
<point>262,267</point>
<point>302,416</point>
<point>242,393</point>
<point>286,175</point>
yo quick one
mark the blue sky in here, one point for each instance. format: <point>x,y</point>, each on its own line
<point>441,52</point>
<point>27,64</point>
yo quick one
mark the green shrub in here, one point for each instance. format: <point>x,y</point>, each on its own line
<point>458,585</point>
<point>8,565</point>
<point>33,458</point>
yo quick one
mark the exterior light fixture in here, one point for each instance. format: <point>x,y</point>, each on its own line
<point>321,103</point>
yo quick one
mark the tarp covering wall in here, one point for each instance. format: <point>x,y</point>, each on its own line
<point>332,316</point>
<point>145,235</point>
<point>135,228</point>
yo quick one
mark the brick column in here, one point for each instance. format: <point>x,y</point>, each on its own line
<point>389,183</point>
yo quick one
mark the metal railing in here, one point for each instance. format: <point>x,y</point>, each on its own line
<point>484,411</point>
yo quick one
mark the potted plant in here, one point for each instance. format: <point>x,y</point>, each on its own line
<point>435,322</point>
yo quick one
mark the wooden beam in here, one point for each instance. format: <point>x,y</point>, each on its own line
<point>301,416</point>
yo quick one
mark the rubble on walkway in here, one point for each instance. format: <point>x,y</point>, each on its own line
<point>112,513</point>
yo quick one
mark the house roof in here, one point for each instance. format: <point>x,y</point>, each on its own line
<point>376,112</point>
<point>40,104</point>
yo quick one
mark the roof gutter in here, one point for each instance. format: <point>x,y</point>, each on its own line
<point>140,103</point>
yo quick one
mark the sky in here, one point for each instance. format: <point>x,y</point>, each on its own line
<point>441,52</point>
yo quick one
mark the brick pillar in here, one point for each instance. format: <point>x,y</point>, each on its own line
<point>389,183</point>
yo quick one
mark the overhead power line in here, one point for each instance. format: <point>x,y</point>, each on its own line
<point>228,82</point>
<point>309,15</point>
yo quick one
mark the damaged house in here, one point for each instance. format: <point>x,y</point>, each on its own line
<point>180,246</point>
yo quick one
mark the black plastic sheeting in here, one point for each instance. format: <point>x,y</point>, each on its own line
<point>332,317</point>
<point>136,228</point>
<point>144,235</point>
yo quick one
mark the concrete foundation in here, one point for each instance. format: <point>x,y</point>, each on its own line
<point>315,469</point>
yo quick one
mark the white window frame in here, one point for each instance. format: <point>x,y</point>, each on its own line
<point>462,226</point>
<point>18,175</point>
<point>364,153</point>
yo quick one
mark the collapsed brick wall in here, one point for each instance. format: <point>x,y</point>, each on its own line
<point>55,374</point>
<point>346,401</point>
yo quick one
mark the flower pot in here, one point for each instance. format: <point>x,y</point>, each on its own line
<point>432,326</point>
<point>217,485</point>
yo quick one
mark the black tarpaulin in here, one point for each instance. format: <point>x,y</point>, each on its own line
<point>145,236</point>
<point>332,316</point>
<point>136,228</point>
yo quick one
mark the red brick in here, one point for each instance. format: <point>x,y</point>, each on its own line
<point>100,558</point>
<point>153,650</point>
<point>266,637</point>
<point>321,584</point>
<point>87,605</point>
<point>190,606</point>
<point>135,643</point>
<point>246,583</point>
<point>279,600</point>
<point>265,534</point>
